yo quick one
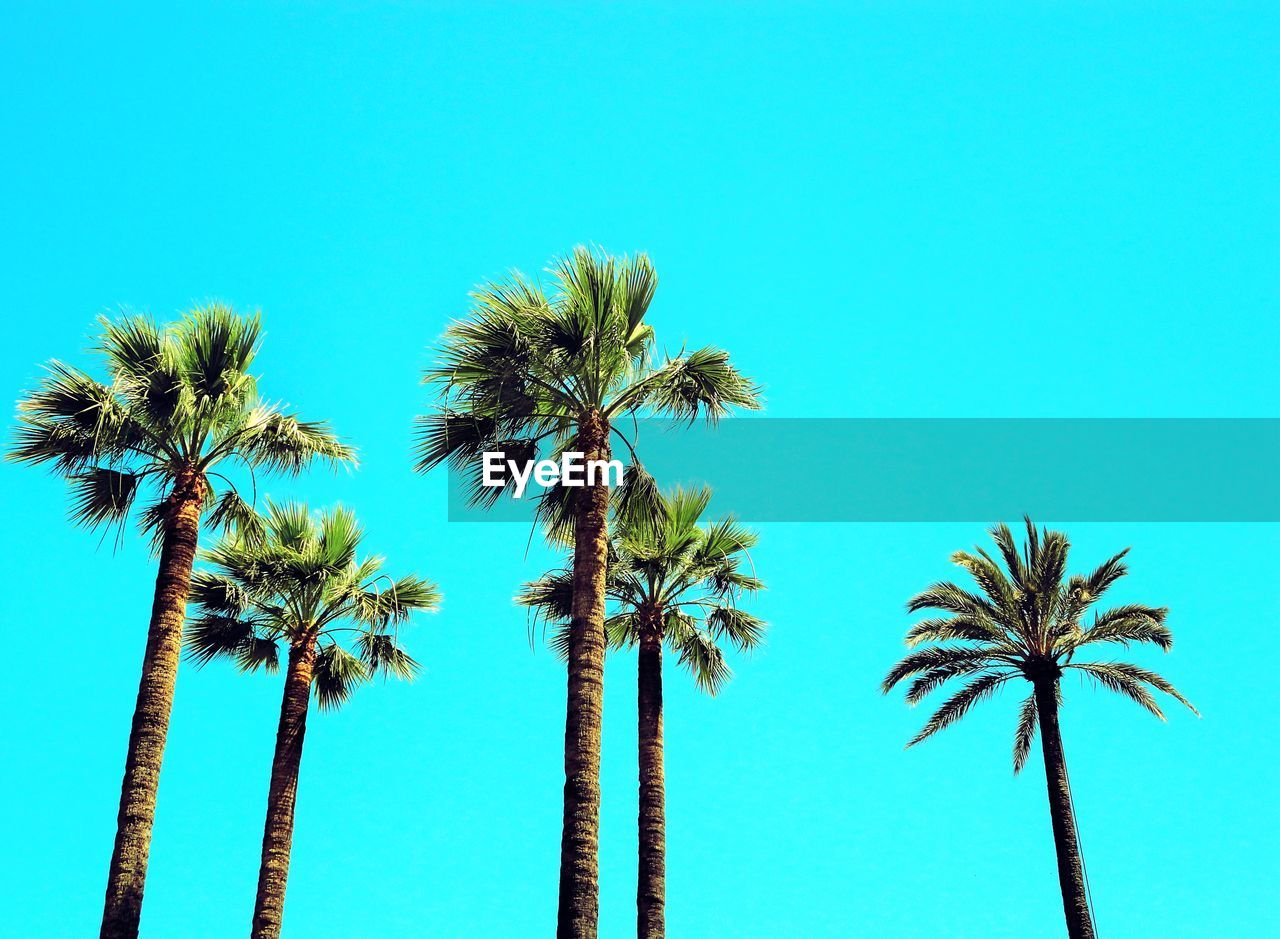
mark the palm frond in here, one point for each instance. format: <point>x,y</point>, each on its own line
<point>215,635</point>
<point>745,631</point>
<point>1131,681</point>
<point>101,496</point>
<point>284,443</point>
<point>698,652</point>
<point>384,656</point>
<point>932,657</point>
<point>229,512</point>
<point>1028,720</point>
<point>336,675</point>
<point>959,704</point>
<point>700,384</point>
<point>1129,623</point>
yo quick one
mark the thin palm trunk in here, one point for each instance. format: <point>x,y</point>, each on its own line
<point>580,836</point>
<point>651,890</point>
<point>277,836</point>
<point>1066,841</point>
<point>126,877</point>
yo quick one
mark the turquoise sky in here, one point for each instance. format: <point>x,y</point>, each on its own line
<point>881,209</point>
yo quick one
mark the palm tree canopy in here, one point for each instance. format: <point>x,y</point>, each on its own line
<point>527,366</point>
<point>178,400</point>
<point>668,573</point>
<point>1028,619</point>
<point>297,578</point>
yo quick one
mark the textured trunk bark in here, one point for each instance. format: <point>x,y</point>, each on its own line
<point>579,841</point>
<point>277,837</point>
<point>651,891</point>
<point>1066,841</point>
<point>127,873</point>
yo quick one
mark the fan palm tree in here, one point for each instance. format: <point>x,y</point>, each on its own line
<point>1028,622</point>
<point>528,369</point>
<point>299,583</point>
<point>670,582</point>
<point>179,402</point>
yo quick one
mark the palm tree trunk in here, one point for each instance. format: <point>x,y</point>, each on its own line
<point>1075,900</point>
<point>127,874</point>
<point>580,835</point>
<point>651,891</point>
<point>277,837</point>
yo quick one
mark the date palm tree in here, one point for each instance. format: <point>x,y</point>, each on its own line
<point>674,583</point>
<point>1028,621</point>
<point>300,584</point>
<point>178,403</point>
<point>529,369</point>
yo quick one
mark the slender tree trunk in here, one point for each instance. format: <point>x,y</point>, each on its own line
<point>1075,901</point>
<point>277,837</point>
<point>651,891</point>
<point>579,841</point>
<point>127,874</point>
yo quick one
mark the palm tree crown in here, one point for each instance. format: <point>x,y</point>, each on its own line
<point>300,581</point>
<point>671,578</point>
<point>1027,621</point>
<point>527,367</point>
<point>179,401</point>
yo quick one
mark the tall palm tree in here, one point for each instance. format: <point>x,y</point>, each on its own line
<point>178,403</point>
<point>300,583</point>
<point>676,583</point>
<point>1028,622</point>
<point>529,369</point>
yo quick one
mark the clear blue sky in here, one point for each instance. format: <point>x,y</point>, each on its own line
<point>882,209</point>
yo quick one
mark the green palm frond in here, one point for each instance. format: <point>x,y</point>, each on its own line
<point>1132,682</point>
<point>550,597</point>
<point>949,598</point>
<point>926,681</point>
<point>335,675</point>
<point>1129,623</point>
<point>933,657</point>
<point>963,626</point>
<point>1028,719</point>
<point>101,496</point>
<point>384,656</point>
<point>393,603</point>
<point>230,512</point>
<point>216,635</point>
<point>700,384</point>
<point>284,443</point>
<point>959,704</point>
<point>639,499</point>
<point>697,651</point>
<point>739,627</point>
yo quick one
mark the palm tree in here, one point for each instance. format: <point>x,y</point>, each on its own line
<point>178,403</point>
<point>1028,621</point>
<point>300,583</point>
<point>670,582</point>
<point>525,368</point>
